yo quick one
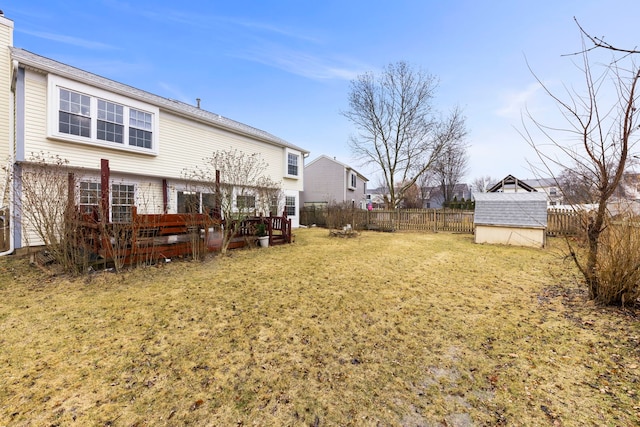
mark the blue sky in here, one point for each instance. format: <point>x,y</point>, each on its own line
<point>285,66</point>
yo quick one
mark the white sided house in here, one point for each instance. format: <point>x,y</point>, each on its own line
<point>148,141</point>
<point>518,219</point>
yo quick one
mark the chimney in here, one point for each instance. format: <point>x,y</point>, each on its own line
<point>198,102</point>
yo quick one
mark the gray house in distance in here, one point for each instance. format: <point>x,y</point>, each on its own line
<point>329,181</point>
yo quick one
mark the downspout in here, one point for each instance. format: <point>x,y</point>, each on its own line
<point>10,212</point>
<point>11,169</point>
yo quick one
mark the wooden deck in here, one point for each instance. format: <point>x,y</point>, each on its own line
<point>149,238</point>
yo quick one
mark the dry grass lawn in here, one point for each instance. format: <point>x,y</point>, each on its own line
<point>386,329</point>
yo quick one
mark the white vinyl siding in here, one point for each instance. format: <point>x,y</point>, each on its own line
<point>177,149</point>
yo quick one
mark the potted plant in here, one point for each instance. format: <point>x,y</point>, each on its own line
<point>261,232</point>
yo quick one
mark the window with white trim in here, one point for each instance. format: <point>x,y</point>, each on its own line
<point>122,202</point>
<point>245,202</point>
<point>110,121</point>
<point>292,164</point>
<point>140,125</point>
<point>274,206</point>
<point>85,114</point>
<point>290,205</point>
<point>90,197</point>
<point>195,202</point>
<point>352,181</point>
<point>74,116</point>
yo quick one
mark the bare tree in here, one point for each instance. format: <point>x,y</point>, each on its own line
<point>243,188</point>
<point>482,183</point>
<point>577,187</point>
<point>396,125</point>
<point>412,198</point>
<point>451,163</point>
<point>604,135</point>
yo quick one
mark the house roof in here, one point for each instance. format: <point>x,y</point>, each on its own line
<point>325,157</point>
<point>511,209</point>
<point>41,63</point>
<point>541,182</point>
<point>510,180</point>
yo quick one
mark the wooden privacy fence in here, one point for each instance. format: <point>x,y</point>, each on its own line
<point>559,222</point>
<point>419,220</point>
<point>565,222</point>
<point>391,220</point>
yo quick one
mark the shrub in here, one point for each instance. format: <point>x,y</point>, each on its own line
<point>618,264</point>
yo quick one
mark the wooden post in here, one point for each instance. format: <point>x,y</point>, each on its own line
<point>218,198</point>
<point>104,190</point>
<point>165,197</point>
<point>71,192</point>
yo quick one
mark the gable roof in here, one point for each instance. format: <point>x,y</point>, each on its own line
<point>41,63</point>
<point>344,165</point>
<point>522,209</point>
<point>510,180</point>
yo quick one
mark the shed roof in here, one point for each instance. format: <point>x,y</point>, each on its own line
<point>527,210</point>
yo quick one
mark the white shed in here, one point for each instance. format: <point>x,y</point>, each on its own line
<point>511,218</point>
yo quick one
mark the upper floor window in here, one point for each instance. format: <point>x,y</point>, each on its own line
<point>75,114</point>
<point>140,128</point>
<point>292,164</point>
<point>98,117</point>
<point>353,179</point>
<point>110,121</point>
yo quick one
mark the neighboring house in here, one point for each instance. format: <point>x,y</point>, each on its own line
<point>511,218</point>
<point>510,184</point>
<point>377,197</point>
<point>329,181</point>
<point>629,188</point>
<point>548,186</point>
<point>50,107</point>
<point>433,198</point>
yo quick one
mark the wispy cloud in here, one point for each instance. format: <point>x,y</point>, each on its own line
<point>273,29</point>
<point>312,66</point>
<point>516,101</point>
<point>283,47</point>
<point>75,41</point>
<point>174,92</point>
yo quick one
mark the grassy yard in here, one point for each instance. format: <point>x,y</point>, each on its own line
<point>386,329</point>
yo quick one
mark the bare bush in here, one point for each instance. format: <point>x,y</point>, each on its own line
<point>241,187</point>
<point>618,263</point>
<point>47,208</point>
